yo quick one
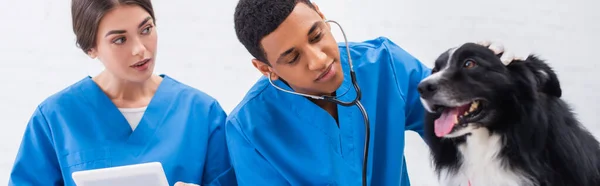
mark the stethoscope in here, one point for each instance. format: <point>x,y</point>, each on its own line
<point>356,102</point>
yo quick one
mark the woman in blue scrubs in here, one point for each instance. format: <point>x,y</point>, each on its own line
<point>126,114</point>
<point>278,138</point>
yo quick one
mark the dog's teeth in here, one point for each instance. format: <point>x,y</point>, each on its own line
<point>474,106</point>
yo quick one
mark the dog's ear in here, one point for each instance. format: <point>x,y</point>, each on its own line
<point>542,76</point>
<point>548,81</point>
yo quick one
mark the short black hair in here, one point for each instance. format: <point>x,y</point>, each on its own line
<point>254,19</point>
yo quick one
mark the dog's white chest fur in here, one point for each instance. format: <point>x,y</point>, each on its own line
<point>481,165</point>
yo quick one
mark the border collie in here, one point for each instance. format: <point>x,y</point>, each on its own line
<point>494,124</point>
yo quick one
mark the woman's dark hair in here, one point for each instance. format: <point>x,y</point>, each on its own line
<point>86,16</point>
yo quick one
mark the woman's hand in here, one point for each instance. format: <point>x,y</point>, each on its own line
<point>185,184</point>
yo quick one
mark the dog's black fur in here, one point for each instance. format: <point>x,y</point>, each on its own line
<point>521,103</point>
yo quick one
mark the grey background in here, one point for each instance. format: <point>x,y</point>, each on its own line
<point>197,46</point>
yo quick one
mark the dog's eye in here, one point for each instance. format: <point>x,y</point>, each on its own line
<point>469,63</point>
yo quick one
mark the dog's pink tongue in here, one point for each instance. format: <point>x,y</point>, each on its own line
<point>445,123</point>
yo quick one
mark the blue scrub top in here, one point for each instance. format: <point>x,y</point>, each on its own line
<point>79,128</point>
<point>277,138</point>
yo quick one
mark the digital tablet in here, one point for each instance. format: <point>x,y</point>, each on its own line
<point>147,174</point>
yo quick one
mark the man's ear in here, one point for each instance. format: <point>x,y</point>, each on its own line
<point>264,69</point>
<point>318,10</point>
<point>93,53</point>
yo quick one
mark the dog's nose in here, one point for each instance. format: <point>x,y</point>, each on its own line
<point>427,89</point>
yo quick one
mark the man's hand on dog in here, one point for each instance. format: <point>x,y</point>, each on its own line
<point>498,48</point>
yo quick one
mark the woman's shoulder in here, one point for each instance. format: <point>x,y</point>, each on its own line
<point>86,91</point>
<point>186,89</point>
<point>187,93</point>
<point>69,95</point>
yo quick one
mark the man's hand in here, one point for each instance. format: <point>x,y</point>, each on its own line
<point>185,184</point>
<point>498,48</point>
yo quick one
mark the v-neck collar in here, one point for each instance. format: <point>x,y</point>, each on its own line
<point>116,126</point>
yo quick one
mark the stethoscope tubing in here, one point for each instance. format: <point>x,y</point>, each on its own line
<point>334,99</point>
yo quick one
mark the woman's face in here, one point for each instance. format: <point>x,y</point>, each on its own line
<point>126,43</point>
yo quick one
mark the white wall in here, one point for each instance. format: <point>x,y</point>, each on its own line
<point>198,46</point>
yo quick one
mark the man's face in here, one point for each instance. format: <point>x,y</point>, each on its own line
<point>303,52</point>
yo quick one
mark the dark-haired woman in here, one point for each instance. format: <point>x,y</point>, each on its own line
<point>126,114</point>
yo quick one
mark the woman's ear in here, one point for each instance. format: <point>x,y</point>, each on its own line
<point>264,69</point>
<point>92,53</point>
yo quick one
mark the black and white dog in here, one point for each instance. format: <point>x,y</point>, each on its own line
<point>495,124</point>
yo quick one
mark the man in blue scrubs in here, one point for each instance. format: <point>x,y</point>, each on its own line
<point>278,138</point>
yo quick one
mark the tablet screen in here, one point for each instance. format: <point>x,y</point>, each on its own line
<point>147,174</point>
<point>143,179</point>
